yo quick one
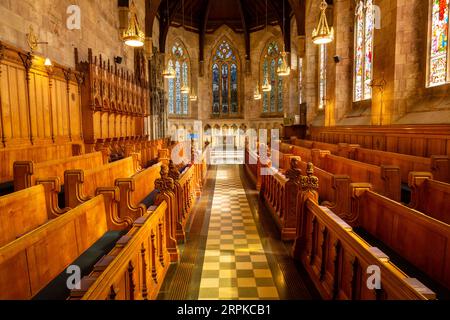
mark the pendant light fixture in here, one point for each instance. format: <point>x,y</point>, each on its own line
<point>133,36</point>
<point>323,34</point>
<point>169,71</point>
<point>266,87</point>
<point>283,69</point>
<point>193,96</point>
<point>185,87</point>
<point>257,94</point>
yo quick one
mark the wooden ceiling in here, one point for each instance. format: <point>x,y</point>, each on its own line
<point>205,16</point>
<point>239,15</point>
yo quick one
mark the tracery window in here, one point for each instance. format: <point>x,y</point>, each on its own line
<point>273,100</point>
<point>225,81</point>
<point>438,62</point>
<point>177,101</point>
<point>364,32</point>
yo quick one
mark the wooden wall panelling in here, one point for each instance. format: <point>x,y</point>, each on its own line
<point>418,140</point>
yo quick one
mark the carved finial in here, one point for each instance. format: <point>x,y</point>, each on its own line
<point>309,182</point>
<point>165,183</point>
<point>309,169</point>
<point>294,173</point>
<point>173,171</point>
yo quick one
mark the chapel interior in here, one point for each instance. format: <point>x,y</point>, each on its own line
<point>224,150</point>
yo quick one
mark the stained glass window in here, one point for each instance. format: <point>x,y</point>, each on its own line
<point>178,103</point>
<point>438,65</point>
<point>266,95</point>
<point>363,68</point>
<point>322,75</point>
<point>171,91</point>
<point>234,89</point>
<point>178,87</point>
<point>225,80</point>
<point>273,100</point>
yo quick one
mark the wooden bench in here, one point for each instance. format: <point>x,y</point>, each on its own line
<point>333,148</point>
<point>430,196</point>
<point>438,165</point>
<point>421,240</point>
<point>31,262</point>
<point>416,140</point>
<point>135,269</point>
<point>81,185</point>
<point>23,211</point>
<point>303,153</point>
<point>185,192</point>
<point>338,261</point>
<point>386,180</point>
<point>136,192</point>
<point>26,172</point>
<point>36,154</point>
<point>334,189</point>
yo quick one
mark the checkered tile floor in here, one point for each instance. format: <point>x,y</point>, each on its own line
<point>235,265</point>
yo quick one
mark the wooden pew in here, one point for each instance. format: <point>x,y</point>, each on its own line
<point>146,189</point>
<point>386,180</point>
<point>273,190</point>
<point>81,185</point>
<point>438,165</point>
<point>429,196</point>
<point>334,189</point>
<point>29,263</point>
<point>415,140</point>
<point>304,153</point>
<point>338,261</point>
<point>23,211</point>
<point>36,154</point>
<point>26,172</point>
<point>333,148</point>
<point>421,240</point>
<point>135,269</point>
<point>185,193</point>
<point>136,192</point>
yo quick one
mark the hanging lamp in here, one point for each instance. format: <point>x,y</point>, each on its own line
<point>133,36</point>
<point>323,34</point>
<point>257,94</point>
<point>169,71</point>
<point>266,87</point>
<point>283,69</point>
<point>193,96</point>
<point>185,87</point>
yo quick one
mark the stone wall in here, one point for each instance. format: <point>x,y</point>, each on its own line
<point>99,28</point>
<point>400,58</point>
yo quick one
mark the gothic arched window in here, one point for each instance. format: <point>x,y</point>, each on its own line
<point>225,81</point>
<point>273,100</point>
<point>364,31</point>
<point>177,101</point>
<point>438,63</point>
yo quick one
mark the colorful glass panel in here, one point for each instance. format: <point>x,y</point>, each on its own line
<point>439,43</point>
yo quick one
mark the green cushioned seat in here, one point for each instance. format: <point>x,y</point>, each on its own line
<point>57,289</point>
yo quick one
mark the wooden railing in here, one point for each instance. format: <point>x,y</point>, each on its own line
<point>340,263</point>
<point>135,269</point>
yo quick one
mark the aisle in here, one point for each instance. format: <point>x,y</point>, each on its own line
<point>235,264</point>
